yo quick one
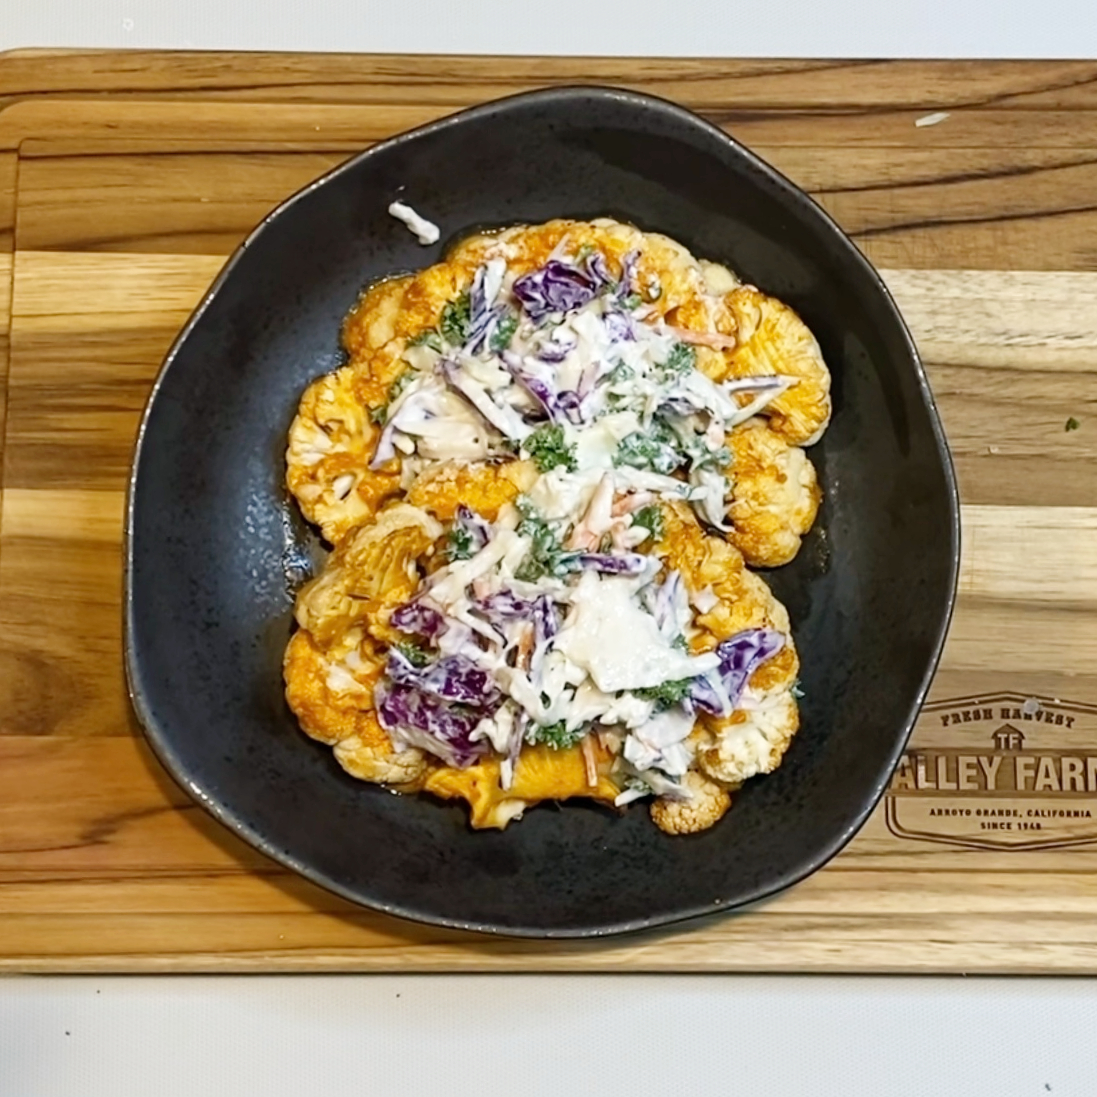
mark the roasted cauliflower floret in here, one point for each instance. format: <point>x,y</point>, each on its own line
<point>735,748</point>
<point>327,463</point>
<point>667,274</point>
<point>371,324</point>
<point>368,576</point>
<point>428,293</point>
<point>369,758</point>
<point>332,699</point>
<point>718,279</point>
<point>524,247</point>
<point>329,698</point>
<point>778,673</point>
<point>485,486</point>
<point>706,806</point>
<point>775,495</point>
<point>772,339</point>
<point>727,596</point>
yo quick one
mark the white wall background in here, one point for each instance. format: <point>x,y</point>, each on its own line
<point>762,28</point>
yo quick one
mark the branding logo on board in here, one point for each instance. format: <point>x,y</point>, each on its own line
<point>1000,771</point>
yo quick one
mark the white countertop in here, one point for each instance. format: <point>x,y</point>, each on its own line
<point>613,1036</point>
<point>634,1035</point>
<point>778,28</point>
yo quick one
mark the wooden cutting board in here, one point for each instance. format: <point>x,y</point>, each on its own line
<point>125,180</point>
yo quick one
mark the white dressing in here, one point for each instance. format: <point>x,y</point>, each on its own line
<point>426,232</point>
<point>618,643</point>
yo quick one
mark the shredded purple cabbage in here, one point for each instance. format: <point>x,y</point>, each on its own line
<point>482,316</point>
<point>661,599</point>
<point>560,286</point>
<point>479,305</point>
<point>624,563</point>
<point>417,719</point>
<point>505,419</point>
<point>591,372</point>
<point>682,405</point>
<point>505,605</point>
<point>620,326</point>
<point>545,621</point>
<point>482,328</point>
<point>554,352</point>
<point>542,393</point>
<point>627,284</point>
<point>556,287</point>
<point>386,445</point>
<point>470,522</point>
<point>571,404</point>
<point>704,695</point>
<point>536,386</point>
<point>514,747</point>
<point>756,384</point>
<point>740,656</point>
<point>546,624</point>
<point>597,269</point>
<point>452,678</point>
<point>417,619</point>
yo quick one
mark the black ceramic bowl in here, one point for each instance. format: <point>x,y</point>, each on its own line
<point>212,537</point>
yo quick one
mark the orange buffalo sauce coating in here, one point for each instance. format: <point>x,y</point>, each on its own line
<point>485,486</point>
<point>541,773</point>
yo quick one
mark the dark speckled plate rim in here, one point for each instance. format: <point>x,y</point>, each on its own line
<point>160,740</point>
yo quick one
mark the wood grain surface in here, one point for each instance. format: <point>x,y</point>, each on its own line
<point>126,179</point>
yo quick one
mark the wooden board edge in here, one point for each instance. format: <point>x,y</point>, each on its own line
<point>9,176</point>
<point>1001,960</point>
<point>773,83</point>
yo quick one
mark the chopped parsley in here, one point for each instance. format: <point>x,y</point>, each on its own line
<point>557,735</point>
<point>680,643</point>
<point>632,301</point>
<point>454,323</point>
<point>584,252</point>
<point>666,694</point>
<point>682,435</point>
<point>503,333</point>
<point>682,359</point>
<point>653,449</point>
<point>415,654</point>
<point>430,337</point>
<point>381,414</point>
<point>1072,424</point>
<point>546,555</point>
<point>651,519</point>
<point>703,457</point>
<point>548,448</point>
<point>459,544</point>
<point>620,372</point>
